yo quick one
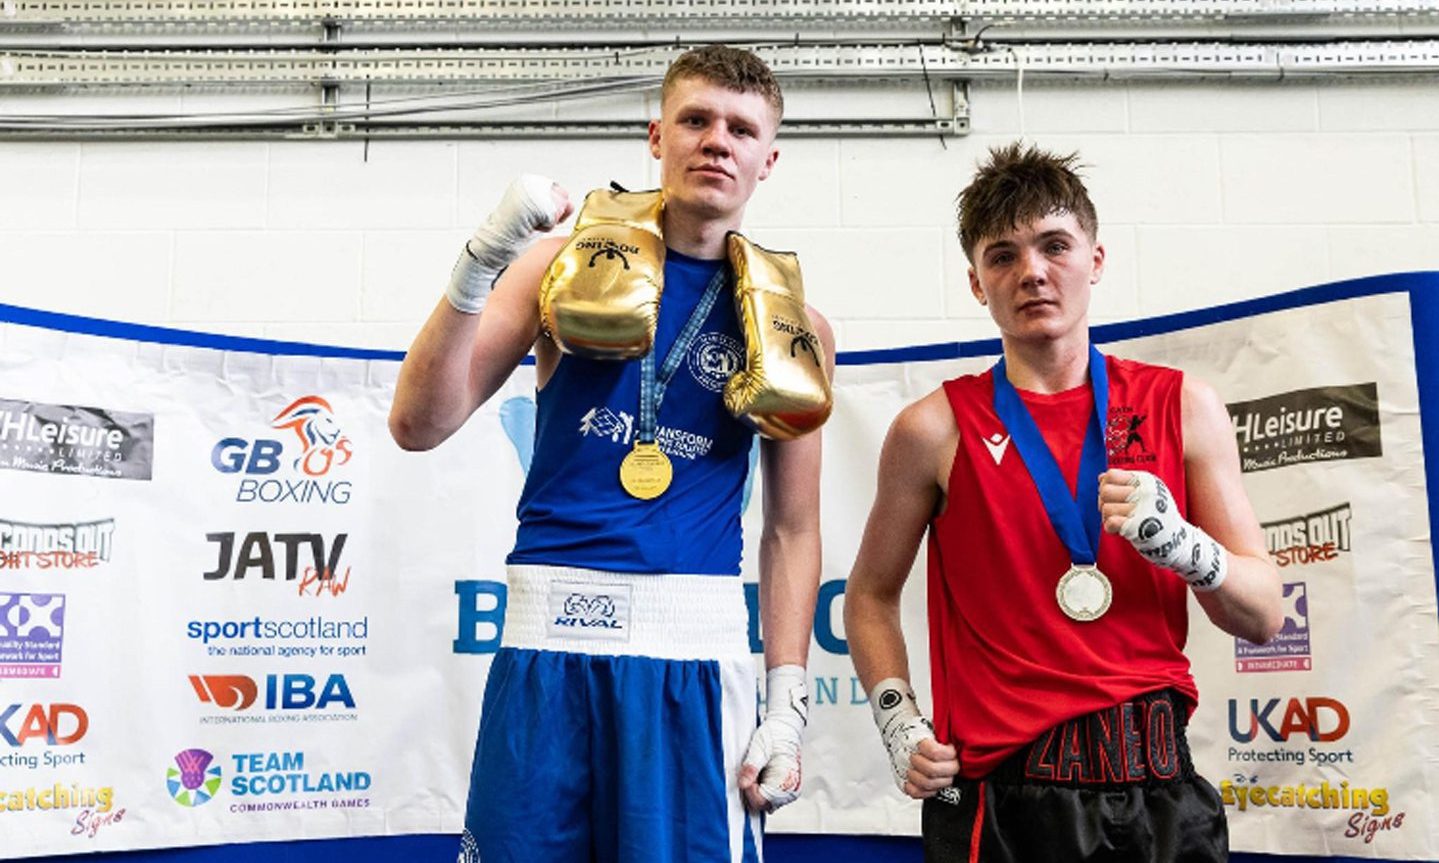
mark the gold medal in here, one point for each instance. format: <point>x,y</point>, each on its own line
<point>1084,593</point>
<point>646,471</point>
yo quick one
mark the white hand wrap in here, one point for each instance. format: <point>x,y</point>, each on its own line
<point>902,727</point>
<point>774,748</point>
<point>1159,533</point>
<point>527,209</point>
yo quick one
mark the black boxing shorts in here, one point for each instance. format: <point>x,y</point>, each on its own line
<point>1116,786</point>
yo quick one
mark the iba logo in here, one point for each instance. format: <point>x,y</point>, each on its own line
<point>282,691</point>
<point>1320,424</point>
<point>194,779</point>
<point>293,473</point>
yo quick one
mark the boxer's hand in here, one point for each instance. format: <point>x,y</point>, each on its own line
<point>530,206</point>
<point>770,775</point>
<point>922,766</point>
<point>1139,507</point>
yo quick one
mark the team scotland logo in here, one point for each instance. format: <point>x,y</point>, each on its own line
<point>714,359</point>
<point>194,778</point>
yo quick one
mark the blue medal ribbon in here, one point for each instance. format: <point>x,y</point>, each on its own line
<point>652,385</point>
<point>1076,523</point>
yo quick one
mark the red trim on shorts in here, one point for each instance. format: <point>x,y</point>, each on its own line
<point>978,824</point>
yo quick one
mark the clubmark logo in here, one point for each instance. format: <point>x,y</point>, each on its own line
<point>1289,650</point>
<point>32,634</point>
<point>1320,424</point>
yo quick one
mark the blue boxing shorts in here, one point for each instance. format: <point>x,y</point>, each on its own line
<point>615,720</point>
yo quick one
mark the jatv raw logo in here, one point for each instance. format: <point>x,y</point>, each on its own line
<point>293,470</point>
<point>1320,424</point>
<point>70,439</point>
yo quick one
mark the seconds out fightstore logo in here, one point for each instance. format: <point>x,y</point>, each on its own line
<point>1312,538</point>
<point>1320,424</point>
<point>303,468</point>
<point>81,545</point>
<point>76,440</point>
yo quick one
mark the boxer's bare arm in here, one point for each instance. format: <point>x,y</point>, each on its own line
<point>789,553</point>
<point>459,360</point>
<point>1248,603</point>
<point>789,549</point>
<point>913,470</point>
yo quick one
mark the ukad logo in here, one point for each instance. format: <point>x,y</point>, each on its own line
<point>589,612</point>
<point>194,779</point>
<point>319,446</point>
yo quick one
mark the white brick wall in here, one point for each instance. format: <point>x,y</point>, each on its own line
<point>1207,193</point>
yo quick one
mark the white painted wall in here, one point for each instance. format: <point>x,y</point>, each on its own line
<point>1207,193</point>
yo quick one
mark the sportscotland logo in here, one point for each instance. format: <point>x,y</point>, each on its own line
<point>194,779</point>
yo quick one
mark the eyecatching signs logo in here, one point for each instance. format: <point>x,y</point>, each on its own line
<point>296,469</point>
<point>75,440</point>
<point>32,634</point>
<point>1319,424</point>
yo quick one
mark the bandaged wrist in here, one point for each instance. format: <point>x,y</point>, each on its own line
<point>1159,533</point>
<point>527,207</point>
<point>892,702</point>
<point>787,695</point>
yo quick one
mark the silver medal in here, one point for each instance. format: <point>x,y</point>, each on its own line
<point>1084,593</point>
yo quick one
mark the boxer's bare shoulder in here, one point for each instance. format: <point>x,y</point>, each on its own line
<point>924,437</point>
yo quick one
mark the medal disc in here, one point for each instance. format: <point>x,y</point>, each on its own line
<point>1084,593</point>
<point>646,472</point>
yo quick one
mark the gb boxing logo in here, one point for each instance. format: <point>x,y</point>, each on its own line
<point>318,448</point>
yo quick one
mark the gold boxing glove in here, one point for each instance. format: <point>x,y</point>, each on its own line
<point>600,297</point>
<point>783,391</point>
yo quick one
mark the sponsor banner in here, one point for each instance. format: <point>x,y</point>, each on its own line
<point>311,612</point>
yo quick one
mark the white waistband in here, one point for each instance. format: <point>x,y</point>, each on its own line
<point>625,614</point>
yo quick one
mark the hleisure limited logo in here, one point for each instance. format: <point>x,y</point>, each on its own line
<point>75,440</point>
<point>294,470</point>
<point>1320,424</point>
